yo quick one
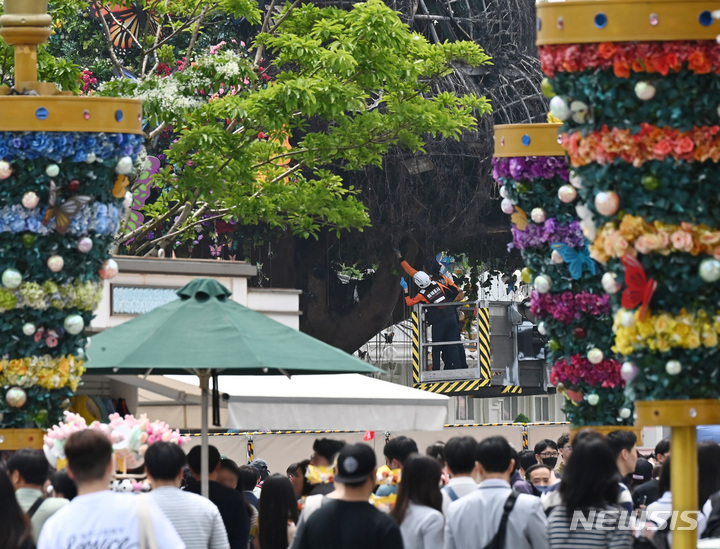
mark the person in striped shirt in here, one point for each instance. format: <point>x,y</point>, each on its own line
<point>196,519</point>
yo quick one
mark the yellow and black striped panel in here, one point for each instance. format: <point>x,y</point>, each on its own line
<point>484,342</point>
<point>454,387</point>
<point>250,450</point>
<point>512,390</point>
<point>525,440</point>
<point>415,347</point>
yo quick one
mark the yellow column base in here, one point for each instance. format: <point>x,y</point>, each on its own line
<point>17,439</point>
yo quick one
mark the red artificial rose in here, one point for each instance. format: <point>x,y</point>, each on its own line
<point>662,148</point>
<point>639,66</point>
<point>621,69</point>
<point>606,50</point>
<point>672,60</point>
<point>661,65</point>
<point>698,63</point>
<point>684,145</point>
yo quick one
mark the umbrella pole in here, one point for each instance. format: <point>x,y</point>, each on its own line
<point>204,455</point>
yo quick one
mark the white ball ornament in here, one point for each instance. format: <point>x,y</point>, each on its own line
<point>595,356</point>
<point>124,165</point>
<point>673,367</point>
<point>627,319</point>
<point>29,329</point>
<point>567,193</point>
<point>628,371</point>
<point>709,270</point>
<point>644,90</point>
<point>559,108</point>
<point>16,397</point>
<point>507,206</point>
<point>504,192</point>
<point>74,324</point>
<point>542,284</point>
<point>90,158</point>
<point>30,200</point>
<point>607,202</point>
<point>11,278</point>
<point>538,215</point>
<point>610,284</point>
<point>556,257</point>
<point>85,244</point>
<point>5,169</point>
<point>593,399</point>
<point>625,413</point>
<point>109,269</point>
<point>128,200</point>
<point>575,180</point>
<point>542,329</point>
<point>53,170</point>
<point>55,263</point>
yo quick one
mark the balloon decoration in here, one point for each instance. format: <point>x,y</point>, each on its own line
<point>58,217</point>
<point>569,294</point>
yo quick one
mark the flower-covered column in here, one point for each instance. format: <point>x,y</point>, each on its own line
<point>540,194</point>
<point>637,88</point>
<point>64,166</point>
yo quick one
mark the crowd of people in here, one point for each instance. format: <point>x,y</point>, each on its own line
<point>593,491</point>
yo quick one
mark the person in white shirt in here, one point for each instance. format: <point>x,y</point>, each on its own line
<point>196,519</point>
<point>460,462</point>
<point>418,504</point>
<point>98,517</point>
<point>473,520</point>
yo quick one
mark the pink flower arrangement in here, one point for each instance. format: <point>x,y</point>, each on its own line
<point>582,371</point>
<point>568,307</point>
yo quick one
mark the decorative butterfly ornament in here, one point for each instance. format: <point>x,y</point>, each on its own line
<point>63,213</point>
<point>519,219</point>
<point>640,288</point>
<point>575,259</point>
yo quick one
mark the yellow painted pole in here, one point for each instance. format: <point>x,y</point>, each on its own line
<point>684,483</point>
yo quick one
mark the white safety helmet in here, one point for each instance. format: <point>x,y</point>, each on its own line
<point>422,279</point>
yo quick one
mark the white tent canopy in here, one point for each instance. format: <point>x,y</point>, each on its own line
<point>351,402</point>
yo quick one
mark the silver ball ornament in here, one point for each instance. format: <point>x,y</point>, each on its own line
<point>575,180</point>
<point>542,284</point>
<point>507,206</point>
<point>538,215</point>
<point>16,397</point>
<point>556,257</point>
<point>709,270</point>
<point>55,263</point>
<point>53,170</point>
<point>607,202</point>
<point>567,193</point>
<point>595,356</point>
<point>124,165</point>
<point>30,200</point>
<point>5,169</point>
<point>109,269</point>
<point>85,244</point>
<point>559,108</point>
<point>644,91</point>
<point>504,192</point>
<point>673,367</point>
<point>11,278</point>
<point>628,371</point>
<point>610,284</point>
<point>74,324</point>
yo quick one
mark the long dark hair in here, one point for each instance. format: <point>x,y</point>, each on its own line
<point>591,477</point>
<point>277,505</point>
<point>420,483</point>
<point>14,524</point>
<point>708,470</point>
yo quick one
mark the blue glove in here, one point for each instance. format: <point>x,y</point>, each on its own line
<point>403,283</point>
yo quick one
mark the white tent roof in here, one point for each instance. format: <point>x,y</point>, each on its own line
<point>350,402</point>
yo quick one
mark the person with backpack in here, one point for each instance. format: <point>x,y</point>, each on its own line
<point>460,461</point>
<point>443,319</point>
<point>28,471</point>
<point>494,516</point>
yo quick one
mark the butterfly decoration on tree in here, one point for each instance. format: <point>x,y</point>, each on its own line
<point>216,251</point>
<point>640,288</point>
<point>141,193</point>
<point>519,219</point>
<point>124,20</point>
<point>64,212</point>
<point>576,259</point>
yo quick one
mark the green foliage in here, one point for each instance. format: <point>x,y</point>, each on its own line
<point>521,418</point>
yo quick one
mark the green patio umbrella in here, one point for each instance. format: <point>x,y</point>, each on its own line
<point>205,332</point>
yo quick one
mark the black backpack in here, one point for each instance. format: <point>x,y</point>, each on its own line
<point>498,540</point>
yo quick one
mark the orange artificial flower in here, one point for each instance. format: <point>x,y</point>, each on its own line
<point>621,69</point>
<point>606,50</point>
<point>698,63</point>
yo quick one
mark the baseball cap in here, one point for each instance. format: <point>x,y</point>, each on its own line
<point>355,463</point>
<point>643,470</point>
